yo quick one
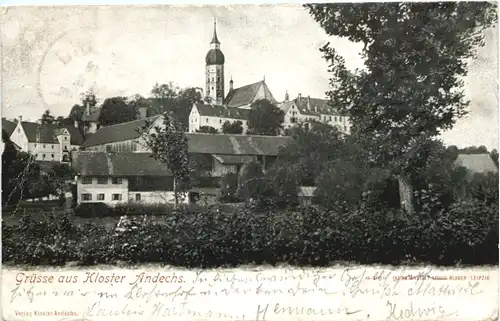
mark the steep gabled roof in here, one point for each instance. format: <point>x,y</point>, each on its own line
<point>476,163</point>
<point>117,164</point>
<point>45,133</point>
<point>8,126</point>
<point>314,106</point>
<point>234,144</point>
<point>118,132</point>
<point>222,111</point>
<point>93,116</point>
<point>247,94</point>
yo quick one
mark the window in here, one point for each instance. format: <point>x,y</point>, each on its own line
<point>52,156</point>
<point>19,130</point>
<point>102,180</point>
<point>43,145</point>
<point>116,197</point>
<point>43,155</point>
<point>138,197</point>
<point>218,79</point>
<point>52,146</point>
<point>65,138</point>
<point>86,180</point>
<point>293,120</point>
<point>109,148</point>
<point>206,120</point>
<point>212,81</point>
<point>65,147</point>
<point>335,118</point>
<point>100,197</point>
<point>116,180</point>
<point>220,121</point>
<point>86,197</point>
<point>330,119</point>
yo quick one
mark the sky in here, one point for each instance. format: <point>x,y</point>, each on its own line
<point>53,54</point>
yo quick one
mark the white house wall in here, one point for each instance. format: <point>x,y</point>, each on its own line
<point>19,138</point>
<point>154,197</point>
<point>107,189</point>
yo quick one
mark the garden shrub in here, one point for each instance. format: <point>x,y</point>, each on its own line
<point>466,233</point>
<point>92,210</point>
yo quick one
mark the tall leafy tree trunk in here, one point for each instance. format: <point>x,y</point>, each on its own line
<point>415,57</point>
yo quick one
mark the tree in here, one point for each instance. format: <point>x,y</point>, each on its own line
<point>235,127</point>
<point>177,101</point>
<point>311,151</point>
<point>282,182</point>
<point>47,118</point>
<point>169,146</point>
<point>18,170</point>
<point>474,150</point>
<point>229,188</point>
<point>411,87</point>
<point>251,185</point>
<point>264,118</point>
<point>117,110</point>
<point>494,156</point>
<point>207,129</point>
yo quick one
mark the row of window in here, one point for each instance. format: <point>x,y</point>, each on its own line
<point>213,79</point>
<point>102,180</point>
<point>52,146</point>
<point>102,197</point>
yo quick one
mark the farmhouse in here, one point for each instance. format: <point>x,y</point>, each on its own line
<point>47,141</point>
<point>304,109</point>
<point>114,172</point>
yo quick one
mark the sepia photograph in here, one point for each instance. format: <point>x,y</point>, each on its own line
<point>212,137</point>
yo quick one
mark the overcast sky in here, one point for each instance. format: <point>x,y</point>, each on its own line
<point>52,54</point>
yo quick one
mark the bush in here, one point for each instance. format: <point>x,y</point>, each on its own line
<point>465,233</point>
<point>92,210</point>
<point>141,209</point>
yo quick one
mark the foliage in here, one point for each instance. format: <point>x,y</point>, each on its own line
<point>282,182</point>
<point>169,145</point>
<point>466,233</point>
<point>484,188</point>
<point>235,127</point>
<point>176,101</point>
<point>264,118</point>
<point>473,150</point>
<point>251,184</point>
<point>117,110</point>
<point>47,118</point>
<point>207,129</point>
<point>229,188</point>
<point>415,56</point>
<point>311,151</point>
<point>494,156</point>
<point>92,210</point>
<point>18,170</point>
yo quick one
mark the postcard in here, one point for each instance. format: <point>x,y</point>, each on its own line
<point>334,161</point>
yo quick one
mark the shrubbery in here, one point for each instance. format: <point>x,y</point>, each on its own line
<point>466,233</point>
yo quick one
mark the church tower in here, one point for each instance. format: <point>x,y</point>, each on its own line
<point>214,71</point>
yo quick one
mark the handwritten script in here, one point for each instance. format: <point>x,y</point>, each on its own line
<point>353,293</point>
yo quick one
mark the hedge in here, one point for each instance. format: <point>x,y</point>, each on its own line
<point>467,233</point>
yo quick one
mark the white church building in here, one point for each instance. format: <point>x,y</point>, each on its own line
<point>235,106</point>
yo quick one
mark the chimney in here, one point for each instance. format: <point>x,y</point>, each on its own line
<point>20,118</point>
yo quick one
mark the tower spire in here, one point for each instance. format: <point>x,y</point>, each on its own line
<point>214,38</point>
